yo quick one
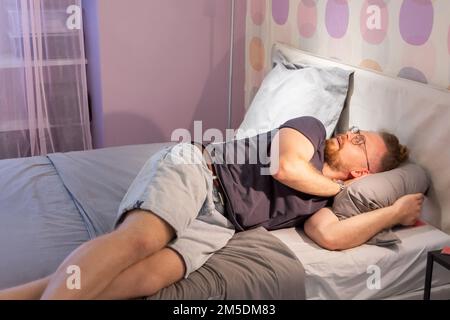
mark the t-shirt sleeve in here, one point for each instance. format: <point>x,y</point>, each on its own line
<point>310,127</point>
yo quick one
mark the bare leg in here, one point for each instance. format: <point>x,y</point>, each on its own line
<point>34,290</point>
<point>103,259</point>
<point>29,291</point>
<point>144,278</point>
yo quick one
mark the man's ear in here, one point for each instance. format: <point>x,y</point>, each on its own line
<point>359,173</point>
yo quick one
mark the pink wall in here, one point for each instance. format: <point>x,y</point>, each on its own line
<point>3,35</point>
<point>159,65</point>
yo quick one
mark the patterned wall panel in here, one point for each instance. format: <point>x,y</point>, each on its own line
<point>401,38</point>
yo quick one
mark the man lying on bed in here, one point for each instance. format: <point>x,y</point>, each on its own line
<point>170,221</point>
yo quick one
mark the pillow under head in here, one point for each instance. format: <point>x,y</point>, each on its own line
<point>291,91</point>
<point>379,191</point>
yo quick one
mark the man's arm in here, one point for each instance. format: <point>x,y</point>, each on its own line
<point>292,166</point>
<point>330,233</point>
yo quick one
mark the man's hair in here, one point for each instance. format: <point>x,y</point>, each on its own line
<point>396,152</point>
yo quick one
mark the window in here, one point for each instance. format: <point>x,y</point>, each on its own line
<point>43,91</point>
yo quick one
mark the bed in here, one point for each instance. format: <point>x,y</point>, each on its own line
<point>344,274</point>
<point>419,115</point>
<point>51,205</point>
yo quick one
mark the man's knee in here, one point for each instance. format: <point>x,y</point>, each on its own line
<point>151,284</point>
<point>145,231</point>
<point>156,272</point>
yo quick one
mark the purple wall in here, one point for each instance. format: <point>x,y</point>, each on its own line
<point>158,65</point>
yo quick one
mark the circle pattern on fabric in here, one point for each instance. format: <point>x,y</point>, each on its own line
<point>258,11</point>
<point>371,64</point>
<point>374,21</point>
<point>257,54</point>
<point>307,18</point>
<point>416,21</point>
<point>280,11</point>
<point>412,74</point>
<point>337,18</point>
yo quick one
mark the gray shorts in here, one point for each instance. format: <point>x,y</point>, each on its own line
<point>177,186</point>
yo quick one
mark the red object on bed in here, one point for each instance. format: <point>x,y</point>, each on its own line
<point>419,223</point>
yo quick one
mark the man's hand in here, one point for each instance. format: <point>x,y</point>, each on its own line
<point>408,209</point>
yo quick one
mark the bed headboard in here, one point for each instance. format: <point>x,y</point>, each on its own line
<point>418,114</point>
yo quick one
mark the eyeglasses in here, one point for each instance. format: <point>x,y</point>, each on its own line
<point>360,140</point>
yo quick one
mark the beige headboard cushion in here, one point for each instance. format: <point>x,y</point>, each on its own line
<point>418,114</point>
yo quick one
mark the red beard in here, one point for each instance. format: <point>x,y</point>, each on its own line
<point>332,155</point>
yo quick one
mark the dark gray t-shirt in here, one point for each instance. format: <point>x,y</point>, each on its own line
<point>254,197</point>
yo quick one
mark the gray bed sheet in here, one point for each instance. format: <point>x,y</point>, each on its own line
<point>253,265</point>
<point>51,205</point>
<point>39,223</point>
<point>98,180</point>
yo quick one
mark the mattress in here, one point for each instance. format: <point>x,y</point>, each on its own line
<point>345,274</point>
<point>51,205</point>
<point>33,197</point>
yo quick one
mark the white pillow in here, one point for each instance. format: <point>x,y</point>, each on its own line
<point>290,91</point>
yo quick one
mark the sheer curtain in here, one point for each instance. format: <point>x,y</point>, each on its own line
<point>43,91</point>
